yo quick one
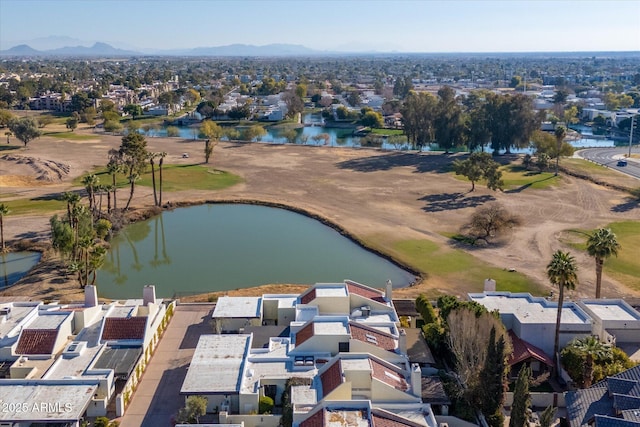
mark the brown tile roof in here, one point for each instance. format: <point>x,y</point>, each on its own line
<point>365,291</point>
<point>308,297</point>
<point>315,420</point>
<point>389,420</point>
<point>124,328</point>
<point>372,336</point>
<point>304,334</point>
<point>37,341</point>
<point>522,350</point>
<point>388,376</point>
<point>331,378</point>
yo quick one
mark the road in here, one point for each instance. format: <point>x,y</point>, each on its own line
<point>609,157</point>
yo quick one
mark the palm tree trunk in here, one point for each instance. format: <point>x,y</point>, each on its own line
<point>588,370</point>
<point>160,165</point>
<point>133,185</point>
<point>556,345</point>
<point>1,233</point>
<point>108,201</point>
<point>153,181</point>
<point>599,264</point>
<point>114,192</point>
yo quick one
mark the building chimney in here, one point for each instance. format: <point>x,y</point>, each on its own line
<point>389,291</point>
<point>489,285</point>
<point>416,380</point>
<point>148,295</point>
<point>90,296</point>
<point>402,342</point>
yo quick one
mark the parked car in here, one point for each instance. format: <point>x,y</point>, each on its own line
<point>622,162</point>
<point>185,155</point>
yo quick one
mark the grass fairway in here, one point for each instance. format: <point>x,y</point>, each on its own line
<point>71,136</point>
<point>518,178</point>
<point>625,268</point>
<point>387,131</point>
<point>598,173</point>
<point>34,206</point>
<point>191,177</point>
<point>176,178</point>
<point>461,270</point>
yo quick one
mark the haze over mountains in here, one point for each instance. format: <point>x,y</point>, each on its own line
<point>70,47</point>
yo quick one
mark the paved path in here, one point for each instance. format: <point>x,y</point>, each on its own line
<point>609,157</point>
<point>157,398</point>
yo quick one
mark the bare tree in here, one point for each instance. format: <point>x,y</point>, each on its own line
<point>488,221</point>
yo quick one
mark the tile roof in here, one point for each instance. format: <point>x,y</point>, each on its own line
<point>388,376</point>
<point>583,405</point>
<point>382,418</point>
<point>315,420</point>
<point>406,307</point>
<point>372,336</point>
<point>37,341</point>
<point>124,328</point>
<point>605,421</point>
<point>308,297</point>
<point>522,350</point>
<point>364,291</point>
<point>304,334</point>
<point>631,415</point>
<point>331,378</point>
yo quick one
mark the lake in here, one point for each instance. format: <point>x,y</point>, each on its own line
<point>217,247</point>
<point>15,265</point>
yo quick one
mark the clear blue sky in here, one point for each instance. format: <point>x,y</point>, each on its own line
<point>404,26</point>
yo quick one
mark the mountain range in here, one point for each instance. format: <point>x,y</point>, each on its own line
<point>104,49</point>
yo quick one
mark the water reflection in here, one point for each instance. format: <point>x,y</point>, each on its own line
<point>15,265</point>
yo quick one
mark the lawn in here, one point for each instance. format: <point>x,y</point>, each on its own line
<point>387,131</point>
<point>71,135</point>
<point>457,267</point>
<point>34,206</point>
<point>177,178</point>
<point>517,178</point>
<point>626,266</point>
<point>598,173</point>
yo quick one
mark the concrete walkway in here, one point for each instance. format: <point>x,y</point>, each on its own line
<point>157,398</point>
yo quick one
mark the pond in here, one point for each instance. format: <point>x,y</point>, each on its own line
<point>219,247</point>
<point>15,265</point>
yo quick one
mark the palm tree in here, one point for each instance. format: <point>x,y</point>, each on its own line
<point>601,245</point>
<point>4,210</point>
<point>113,167</point>
<point>162,155</point>
<point>562,272</point>
<point>90,183</point>
<point>559,133</point>
<point>152,158</point>
<point>594,349</point>
<point>72,199</point>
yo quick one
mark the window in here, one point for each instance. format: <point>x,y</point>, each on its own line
<point>343,347</point>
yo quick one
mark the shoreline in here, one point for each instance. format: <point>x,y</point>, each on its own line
<point>49,259</point>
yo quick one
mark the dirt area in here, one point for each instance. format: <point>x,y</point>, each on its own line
<point>370,193</point>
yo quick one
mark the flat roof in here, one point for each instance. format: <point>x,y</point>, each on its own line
<point>18,313</point>
<point>331,291</point>
<point>612,310</point>
<point>330,328</point>
<point>54,401</point>
<point>217,364</point>
<point>122,311</point>
<point>121,360</point>
<point>361,364</point>
<point>48,320</point>
<point>529,309</point>
<point>243,307</point>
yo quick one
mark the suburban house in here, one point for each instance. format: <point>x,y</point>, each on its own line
<point>613,402</point>
<point>70,361</point>
<point>340,342</point>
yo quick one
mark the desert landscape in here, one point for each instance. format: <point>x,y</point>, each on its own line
<point>372,194</point>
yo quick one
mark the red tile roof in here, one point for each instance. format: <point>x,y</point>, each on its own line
<point>331,378</point>
<point>308,297</point>
<point>388,376</point>
<point>523,350</point>
<point>379,420</point>
<point>124,328</point>
<point>315,420</point>
<point>372,336</point>
<point>37,341</point>
<point>304,334</point>
<point>365,291</point>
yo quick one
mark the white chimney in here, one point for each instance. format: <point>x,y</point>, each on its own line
<point>90,296</point>
<point>489,285</point>
<point>416,380</point>
<point>402,342</point>
<point>389,291</point>
<point>148,295</point>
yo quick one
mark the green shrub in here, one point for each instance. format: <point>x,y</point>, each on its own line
<point>265,406</point>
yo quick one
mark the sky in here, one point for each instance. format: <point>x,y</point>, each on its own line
<point>347,25</point>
